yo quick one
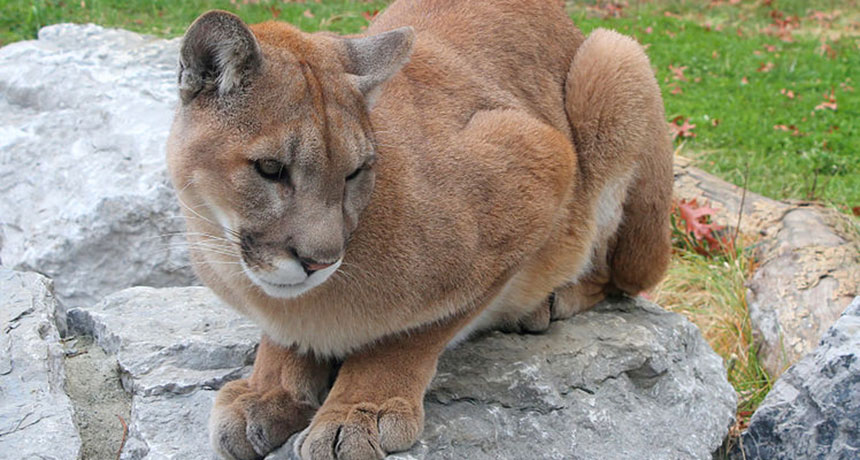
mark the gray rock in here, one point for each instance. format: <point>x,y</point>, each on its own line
<point>84,194</point>
<point>35,413</point>
<point>174,347</point>
<point>813,410</point>
<point>808,277</point>
<point>169,340</point>
<point>625,380</point>
<point>170,427</point>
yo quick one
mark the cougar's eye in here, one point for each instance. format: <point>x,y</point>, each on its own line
<point>271,169</point>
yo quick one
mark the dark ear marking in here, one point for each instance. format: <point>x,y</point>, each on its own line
<point>371,61</point>
<point>218,52</point>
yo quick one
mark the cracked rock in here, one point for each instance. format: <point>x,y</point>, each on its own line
<point>813,410</point>
<point>35,413</point>
<point>174,347</point>
<point>85,111</point>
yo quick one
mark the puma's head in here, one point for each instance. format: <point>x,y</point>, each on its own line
<point>272,142</point>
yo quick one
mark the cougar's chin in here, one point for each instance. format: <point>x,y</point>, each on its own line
<point>288,280</point>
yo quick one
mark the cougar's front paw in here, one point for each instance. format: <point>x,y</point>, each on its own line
<point>361,431</point>
<point>248,424</point>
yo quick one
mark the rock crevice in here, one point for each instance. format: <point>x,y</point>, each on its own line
<point>813,411</point>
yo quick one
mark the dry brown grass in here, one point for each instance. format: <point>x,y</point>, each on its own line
<point>710,291</point>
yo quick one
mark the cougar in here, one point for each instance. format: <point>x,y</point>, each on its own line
<point>371,200</point>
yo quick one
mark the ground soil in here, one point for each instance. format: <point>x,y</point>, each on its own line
<point>93,384</point>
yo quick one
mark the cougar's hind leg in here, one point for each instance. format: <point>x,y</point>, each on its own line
<point>619,129</point>
<point>585,292</point>
<point>643,249</point>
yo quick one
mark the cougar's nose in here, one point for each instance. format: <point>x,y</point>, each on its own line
<point>309,265</point>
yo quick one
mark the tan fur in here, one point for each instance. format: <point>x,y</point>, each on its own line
<point>516,173</point>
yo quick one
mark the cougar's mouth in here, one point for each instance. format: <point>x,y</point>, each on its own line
<point>289,279</point>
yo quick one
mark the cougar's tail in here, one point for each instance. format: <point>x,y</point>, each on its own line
<point>621,136</point>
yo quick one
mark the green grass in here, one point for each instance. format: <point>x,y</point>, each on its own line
<point>21,20</point>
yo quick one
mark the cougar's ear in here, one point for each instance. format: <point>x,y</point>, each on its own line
<point>217,53</point>
<point>371,61</point>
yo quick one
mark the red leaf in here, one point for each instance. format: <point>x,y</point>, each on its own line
<point>765,67</point>
<point>678,72</point>
<point>829,102</point>
<point>697,220</point>
<point>684,129</point>
<point>793,129</point>
<point>825,49</point>
<point>609,9</point>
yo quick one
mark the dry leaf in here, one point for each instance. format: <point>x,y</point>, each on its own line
<point>829,102</point>
<point>765,67</point>
<point>678,72</point>
<point>682,130</point>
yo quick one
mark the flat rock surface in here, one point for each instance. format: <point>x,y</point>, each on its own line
<point>35,413</point>
<point>84,195</point>
<point>169,340</point>
<point>813,410</point>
